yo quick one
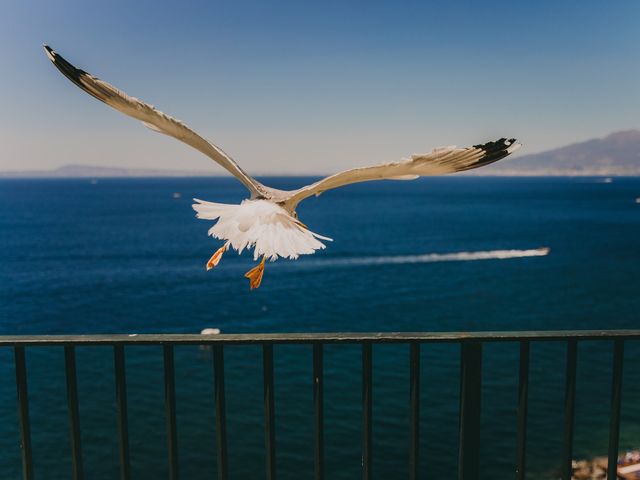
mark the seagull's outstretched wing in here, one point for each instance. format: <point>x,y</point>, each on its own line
<point>152,118</point>
<point>438,162</point>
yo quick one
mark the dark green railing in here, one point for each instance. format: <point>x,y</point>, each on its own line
<point>470,392</point>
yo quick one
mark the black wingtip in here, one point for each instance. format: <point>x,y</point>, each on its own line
<point>49,51</point>
<point>72,73</point>
<point>494,151</point>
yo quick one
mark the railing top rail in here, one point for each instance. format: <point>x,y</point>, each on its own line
<point>335,337</point>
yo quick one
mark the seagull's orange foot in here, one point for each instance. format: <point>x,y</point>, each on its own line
<point>215,258</point>
<point>255,274</point>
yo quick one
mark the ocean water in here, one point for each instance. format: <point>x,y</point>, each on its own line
<point>441,254</point>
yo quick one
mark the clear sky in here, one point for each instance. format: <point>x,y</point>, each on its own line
<point>313,87</point>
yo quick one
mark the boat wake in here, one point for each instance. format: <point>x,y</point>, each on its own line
<point>431,257</point>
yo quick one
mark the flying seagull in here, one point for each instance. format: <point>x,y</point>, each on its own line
<point>267,220</point>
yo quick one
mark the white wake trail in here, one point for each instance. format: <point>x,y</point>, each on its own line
<point>433,257</point>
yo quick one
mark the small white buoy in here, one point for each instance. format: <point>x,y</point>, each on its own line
<point>210,331</point>
<point>638,200</point>
<point>177,195</point>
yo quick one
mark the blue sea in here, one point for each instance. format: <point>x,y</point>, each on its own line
<point>125,256</point>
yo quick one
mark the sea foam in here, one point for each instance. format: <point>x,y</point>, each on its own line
<point>431,257</point>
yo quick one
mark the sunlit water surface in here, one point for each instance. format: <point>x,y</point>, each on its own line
<point>125,256</point>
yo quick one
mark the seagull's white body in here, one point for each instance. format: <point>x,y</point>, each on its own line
<point>262,225</point>
<point>267,220</point>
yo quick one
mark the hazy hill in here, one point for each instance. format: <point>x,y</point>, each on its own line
<point>616,154</point>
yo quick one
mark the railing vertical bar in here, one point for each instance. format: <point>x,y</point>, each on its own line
<point>269,412</point>
<point>318,411</point>
<point>170,411</point>
<point>121,406</point>
<point>74,415</point>
<point>523,407</point>
<point>221,414</point>
<point>367,404</point>
<point>616,397</point>
<point>23,413</point>
<point>569,407</point>
<point>414,413</point>
<point>470,396</point>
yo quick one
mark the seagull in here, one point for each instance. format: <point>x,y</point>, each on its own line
<point>267,221</point>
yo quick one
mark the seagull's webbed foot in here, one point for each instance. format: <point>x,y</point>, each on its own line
<point>255,274</point>
<point>216,257</point>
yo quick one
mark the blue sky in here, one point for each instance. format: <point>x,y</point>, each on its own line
<point>301,87</point>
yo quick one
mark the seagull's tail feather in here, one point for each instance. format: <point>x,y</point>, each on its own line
<point>262,225</point>
<point>210,210</point>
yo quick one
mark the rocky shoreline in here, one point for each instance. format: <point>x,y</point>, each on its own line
<point>596,468</point>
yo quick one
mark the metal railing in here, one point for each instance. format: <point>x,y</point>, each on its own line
<point>470,392</point>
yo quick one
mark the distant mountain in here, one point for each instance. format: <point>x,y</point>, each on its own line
<point>616,154</point>
<point>83,171</point>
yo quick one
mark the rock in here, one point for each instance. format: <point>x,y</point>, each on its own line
<point>582,473</point>
<point>601,462</point>
<point>580,464</point>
